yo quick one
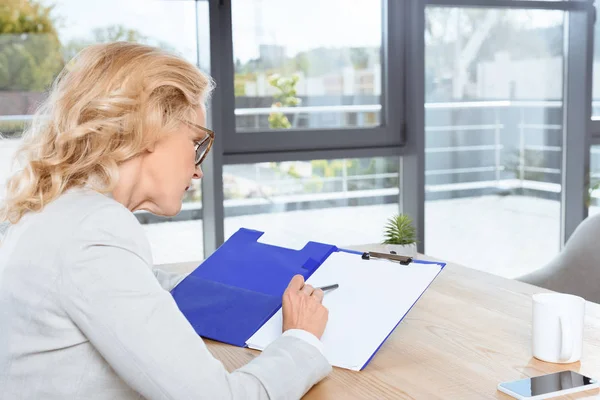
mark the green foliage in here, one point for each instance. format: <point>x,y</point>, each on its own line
<point>590,191</point>
<point>12,129</point>
<point>331,168</point>
<point>530,159</point>
<point>287,89</point>
<point>111,33</point>
<point>239,87</point>
<point>400,230</point>
<point>286,97</point>
<point>30,56</point>
<point>315,185</point>
<point>591,185</point>
<point>293,172</point>
<point>324,60</point>
<point>278,120</point>
<point>240,80</point>
<point>25,16</point>
<point>359,56</point>
<point>315,62</point>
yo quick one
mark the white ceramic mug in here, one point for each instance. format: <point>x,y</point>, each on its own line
<point>557,327</point>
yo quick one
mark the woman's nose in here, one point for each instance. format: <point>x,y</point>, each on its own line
<point>198,174</point>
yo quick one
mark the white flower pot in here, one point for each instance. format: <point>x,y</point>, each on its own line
<point>409,250</point>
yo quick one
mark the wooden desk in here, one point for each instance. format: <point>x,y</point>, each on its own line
<point>468,332</point>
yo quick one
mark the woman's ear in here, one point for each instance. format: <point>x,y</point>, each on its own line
<point>151,147</point>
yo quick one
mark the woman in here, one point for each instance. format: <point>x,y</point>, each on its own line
<point>82,313</point>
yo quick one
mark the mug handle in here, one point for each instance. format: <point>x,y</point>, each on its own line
<point>566,348</point>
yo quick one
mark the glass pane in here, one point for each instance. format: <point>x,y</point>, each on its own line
<point>35,51</point>
<point>593,195</point>
<point>341,202</point>
<point>493,137</point>
<point>8,149</point>
<point>596,71</point>
<point>320,74</point>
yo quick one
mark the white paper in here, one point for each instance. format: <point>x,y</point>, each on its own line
<point>372,297</point>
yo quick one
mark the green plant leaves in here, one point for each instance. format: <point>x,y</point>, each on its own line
<point>400,230</point>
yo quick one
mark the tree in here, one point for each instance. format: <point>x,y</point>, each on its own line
<point>25,16</point>
<point>360,57</point>
<point>30,56</point>
<point>111,33</point>
<point>458,39</point>
<point>285,98</point>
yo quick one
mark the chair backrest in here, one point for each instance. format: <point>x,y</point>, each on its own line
<point>576,270</point>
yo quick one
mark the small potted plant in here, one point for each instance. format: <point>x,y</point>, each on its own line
<point>401,236</point>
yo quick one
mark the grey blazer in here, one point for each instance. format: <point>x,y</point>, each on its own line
<point>83,316</point>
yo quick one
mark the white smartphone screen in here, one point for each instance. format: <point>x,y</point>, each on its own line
<point>550,383</point>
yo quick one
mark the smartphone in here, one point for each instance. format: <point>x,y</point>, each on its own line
<point>548,386</point>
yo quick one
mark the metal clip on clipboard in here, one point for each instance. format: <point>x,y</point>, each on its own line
<point>404,260</point>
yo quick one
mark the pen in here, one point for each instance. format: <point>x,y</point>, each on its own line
<point>328,287</point>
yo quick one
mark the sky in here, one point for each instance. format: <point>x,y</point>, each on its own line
<point>171,21</point>
<point>358,22</point>
<point>316,23</point>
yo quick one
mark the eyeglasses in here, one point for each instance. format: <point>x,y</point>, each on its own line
<point>202,147</point>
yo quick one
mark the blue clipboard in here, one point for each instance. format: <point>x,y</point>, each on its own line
<point>239,287</point>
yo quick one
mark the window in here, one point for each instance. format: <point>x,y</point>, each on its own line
<point>317,72</point>
<point>342,202</point>
<point>493,128</point>
<point>596,72</point>
<point>35,53</point>
<point>593,187</point>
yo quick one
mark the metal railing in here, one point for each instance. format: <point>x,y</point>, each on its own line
<point>494,125</point>
<point>366,185</point>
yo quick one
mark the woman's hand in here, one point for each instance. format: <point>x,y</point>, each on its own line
<point>303,308</point>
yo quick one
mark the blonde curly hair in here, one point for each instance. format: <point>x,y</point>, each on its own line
<point>108,105</point>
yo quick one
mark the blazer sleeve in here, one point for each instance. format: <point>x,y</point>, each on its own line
<point>168,280</point>
<point>111,293</point>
